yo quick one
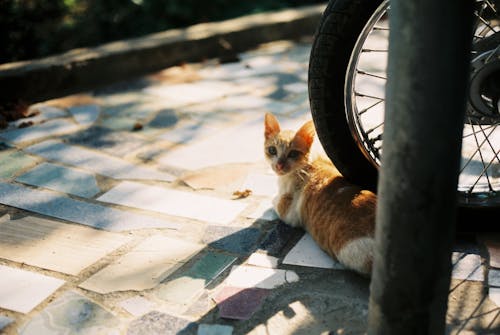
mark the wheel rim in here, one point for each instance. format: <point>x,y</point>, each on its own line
<point>479,180</point>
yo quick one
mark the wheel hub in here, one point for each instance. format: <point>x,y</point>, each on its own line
<point>484,90</point>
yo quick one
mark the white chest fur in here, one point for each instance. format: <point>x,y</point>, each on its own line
<point>287,186</point>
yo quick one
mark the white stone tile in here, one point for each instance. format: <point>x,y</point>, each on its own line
<point>299,87</point>
<point>144,267</point>
<point>307,253</point>
<point>49,128</point>
<point>494,277</point>
<point>173,202</point>
<point>467,267</point>
<point>251,276</point>
<point>192,93</point>
<point>243,143</point>
<point>62,179</point>
<point>56,205</point>
<point>95,161</point>
<point>21,290</point>
<point>85,115</point>
<point>72,313</point>
<point>188,132</point>
<point>206,329</point>
<point>494,295</point>
<point>265,211</point>
<point>239,144</point>
<point>137,306</point>
<point>262,184</point>
<point>47,244</point>
<point>263,260</point>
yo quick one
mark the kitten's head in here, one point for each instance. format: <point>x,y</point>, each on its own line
<point>287,151</point>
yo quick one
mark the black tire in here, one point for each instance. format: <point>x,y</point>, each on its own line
<point>337,33</point>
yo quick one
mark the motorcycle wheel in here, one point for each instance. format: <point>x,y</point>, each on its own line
<point>347,74</point>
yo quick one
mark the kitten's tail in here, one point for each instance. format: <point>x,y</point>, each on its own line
<point>358,255</point>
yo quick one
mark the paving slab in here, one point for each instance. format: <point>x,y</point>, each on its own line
<point>264,211</point>
<point>239,303</point>
<point>493,245</point>
<point>184,289</point>
<point>226,177</point>
<point>233,239</point>
<point>174,202</point>
<point>164,119</point>
<point>115,143</point>
<point>47,244</point>
<point>39,131</point>
<point>72,313</point>
<point>192,93</point>
<point>97,216</point>
<point>263,260</point>
<point>62,179</point>
<point>15,161</point>
<point>265,278</point>
<point>201,307</point>
<point>206,329</point>
<point>144,267</point>
<point>22,290</point>
<point>156,323</point>
<point>85,115</point>
<point>262,184</point>
<point>494,295</point>
<point>467,266</point>
<point>494,277</point>
<point>242,144</point>
<point>188,132</point>
<point>95,161</point>
<point>278,238</point>
<point>307,253</point>
<point>137,306</point>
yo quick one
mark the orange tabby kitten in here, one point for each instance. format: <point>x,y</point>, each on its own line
<point>313,194</point>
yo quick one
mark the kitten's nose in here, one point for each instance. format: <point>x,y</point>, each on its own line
<point>280,165</point>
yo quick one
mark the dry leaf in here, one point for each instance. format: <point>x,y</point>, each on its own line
<point>241,194</point>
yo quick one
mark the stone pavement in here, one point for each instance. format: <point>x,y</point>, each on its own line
<point>119,215</point>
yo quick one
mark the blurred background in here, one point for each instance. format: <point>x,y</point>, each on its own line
<point>37,28</point>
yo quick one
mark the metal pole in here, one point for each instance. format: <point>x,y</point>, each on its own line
<point>429,56</point>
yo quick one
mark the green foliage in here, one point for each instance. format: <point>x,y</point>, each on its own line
<point>36,28</point>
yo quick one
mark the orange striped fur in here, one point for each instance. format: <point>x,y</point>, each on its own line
<point>314,195</point>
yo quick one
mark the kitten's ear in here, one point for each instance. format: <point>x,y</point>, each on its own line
<point>305,136</point>
<point>271,126</point>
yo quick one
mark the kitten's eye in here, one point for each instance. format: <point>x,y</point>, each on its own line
<point>272,151</point>
<point>294,154</point>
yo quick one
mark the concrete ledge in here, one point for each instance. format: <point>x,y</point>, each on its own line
<point>83,69</point>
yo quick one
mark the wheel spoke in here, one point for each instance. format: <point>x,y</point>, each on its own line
<point>362,95</point>
<point>486,23</point>
<point>371,74</point>
<point>363,111</point>
<point>374,50</point>
<point>487,138</point>
<point>486,128</point>
<point>489,4</point>
<point>485,168</point>
<point>484,172</point>
<point>374,128</point>
<point>477,149</point>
